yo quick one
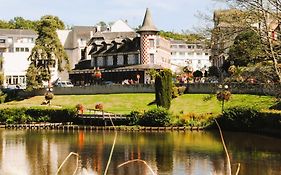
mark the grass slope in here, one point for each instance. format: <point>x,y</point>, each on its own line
<point>125,103</point>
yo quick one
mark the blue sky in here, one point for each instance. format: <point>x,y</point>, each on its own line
<point>168,15</point>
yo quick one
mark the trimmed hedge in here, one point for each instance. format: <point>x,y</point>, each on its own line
<point>27,115</point>
<point>155,117</point>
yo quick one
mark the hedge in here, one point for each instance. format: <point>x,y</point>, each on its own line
<point>27,115</point>
<point>249,119</point>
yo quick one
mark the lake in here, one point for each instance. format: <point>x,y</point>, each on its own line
<point>41,152</point>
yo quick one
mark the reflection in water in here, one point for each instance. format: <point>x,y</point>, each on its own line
<point>192,153</point>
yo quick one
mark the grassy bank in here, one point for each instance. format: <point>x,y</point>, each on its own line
<point>125,103</point>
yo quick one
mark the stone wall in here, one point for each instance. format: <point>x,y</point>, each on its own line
<point>195,88</point>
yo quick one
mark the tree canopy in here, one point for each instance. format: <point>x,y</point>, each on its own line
<point>48,51</point>
<point>18,23</point>
<point>247,49</point>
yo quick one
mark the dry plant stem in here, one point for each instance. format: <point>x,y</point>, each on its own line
<point>112,148</point>
<point>70,154</point>
<point>238,169</point>
<point>224,147</point>
<point>137,160</point>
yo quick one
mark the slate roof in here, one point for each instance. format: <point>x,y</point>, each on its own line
<point>147,25</point>
<point>11,32</point>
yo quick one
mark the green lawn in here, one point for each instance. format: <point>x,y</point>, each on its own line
<point>124,103</point>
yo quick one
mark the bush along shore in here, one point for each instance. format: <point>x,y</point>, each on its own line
<point>233,119</point>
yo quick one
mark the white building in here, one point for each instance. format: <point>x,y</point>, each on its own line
<point>15,48</point>
<point>193,55</point>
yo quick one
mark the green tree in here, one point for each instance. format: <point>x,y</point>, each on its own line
<point>5,25</point>
<point>213,71</point>
<point>163,88</point>
<point>21,23</point>
<point>247,49</point>
<point>197,73</point>
<point>48,51</point>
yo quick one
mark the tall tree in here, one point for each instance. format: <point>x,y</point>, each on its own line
<point>246,49</point>
<point>163,88</point>
<point>267,25</point>
<point>48,53</point>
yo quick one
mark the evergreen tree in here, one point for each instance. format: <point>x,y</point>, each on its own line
<point>47,52</point>
<point>163,88</point>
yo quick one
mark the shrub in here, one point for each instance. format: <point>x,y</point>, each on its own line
<point>163,88</point>
<point>79,108</point>
<point>175,92</point>
<point>99,106</point>
<point>134,117</point>
<point>156,117</point>
<point>276,106</point>
<point>192,119</point>
<point>240,118</point>
<point>24,115</point>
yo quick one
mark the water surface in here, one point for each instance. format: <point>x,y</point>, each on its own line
<point>41,152</point>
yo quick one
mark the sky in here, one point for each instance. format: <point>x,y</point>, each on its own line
<point>168,15</point>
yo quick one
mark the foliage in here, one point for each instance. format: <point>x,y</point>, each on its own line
<point>192,37</point>
<point>18,23</point>
<point>34,79</point>
<point>1,78</point>
<point>197,73</point>
<point>192,119</point>
<point>49,96</point>
<point>276,106</point>
<point>47,51</point>
<point>249,119</point>
<point>155,117</point>
<point>266,15</point>
<point>177,91</point>
<point>26,115</point>
<point>99,106</point>
<point>163,88</point>
<point>2,97</point>
<point>223,95</point>
<point>261,73</point>
<point>247,49</point>
<point>213,71</point>
<point>134,117</point>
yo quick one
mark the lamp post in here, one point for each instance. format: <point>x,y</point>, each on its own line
<point>223,95</point>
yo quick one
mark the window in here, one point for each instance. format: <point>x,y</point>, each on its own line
<point>17,49</point>
<point>151,56</point>
<point>206,53</point>
<point>199,61</point>
<point>174,46</point>
<point>2,41</point>
<point>182,46</point>
<point>190,46</point>
<point>198,53</point>
<point>190,53</point>
<point>173,53</point>
<point>26,49</point>
<point>22,49</point>
<point>151,43</point>
<point>182,53</point>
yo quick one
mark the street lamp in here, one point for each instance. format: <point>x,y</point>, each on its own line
<point>223,95</point>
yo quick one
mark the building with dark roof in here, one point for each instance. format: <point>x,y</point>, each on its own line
<point>123,55</point>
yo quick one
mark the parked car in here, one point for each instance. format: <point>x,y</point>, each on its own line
<point>64,84</point>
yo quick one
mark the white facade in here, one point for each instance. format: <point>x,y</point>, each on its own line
<point>193,55</point>
<point>15,50</point>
